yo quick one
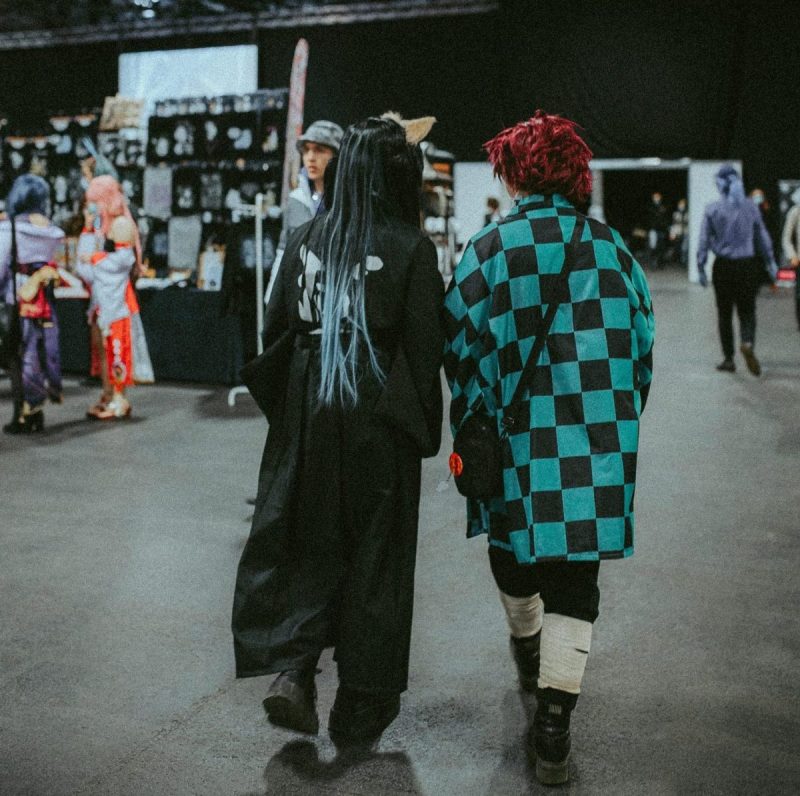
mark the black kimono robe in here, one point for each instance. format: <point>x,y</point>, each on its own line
<point>331,555</point>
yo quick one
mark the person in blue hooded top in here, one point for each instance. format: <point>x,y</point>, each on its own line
<point>734,232</point>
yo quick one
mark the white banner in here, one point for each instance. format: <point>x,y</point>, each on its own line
<point>202,72</point>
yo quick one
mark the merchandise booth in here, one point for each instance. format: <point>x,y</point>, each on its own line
<point>191,167</point>
<point>194,158</point>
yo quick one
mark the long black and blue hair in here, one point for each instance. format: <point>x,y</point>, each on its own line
<point>378,178</point>
<point>28,194</point>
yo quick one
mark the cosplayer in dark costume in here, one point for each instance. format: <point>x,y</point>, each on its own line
<point>569,475</point>
<point>35,368</point>
<point>349,382</point>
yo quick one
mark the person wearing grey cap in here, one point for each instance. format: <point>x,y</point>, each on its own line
<point>319,143</point>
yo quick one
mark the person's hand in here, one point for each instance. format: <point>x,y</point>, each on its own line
<point>795,262</point>
<point>31,287</point>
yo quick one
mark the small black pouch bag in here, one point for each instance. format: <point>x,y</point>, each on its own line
<point>477,459</point>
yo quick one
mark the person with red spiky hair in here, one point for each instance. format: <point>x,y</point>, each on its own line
<point>569,438</point>
<point>543,155</point>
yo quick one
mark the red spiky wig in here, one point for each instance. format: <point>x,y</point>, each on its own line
<point>543,155</point>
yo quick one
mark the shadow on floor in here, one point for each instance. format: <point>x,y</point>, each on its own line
<point>298,769</point>
<point>57,433</point>
<point>215,405</point>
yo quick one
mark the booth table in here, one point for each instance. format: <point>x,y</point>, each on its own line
<point>188,336</point>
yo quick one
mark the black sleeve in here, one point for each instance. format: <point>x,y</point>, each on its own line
<point>423,329</point>
<point>412,398</point>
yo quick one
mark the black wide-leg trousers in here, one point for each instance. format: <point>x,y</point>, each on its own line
<point>331,556</point>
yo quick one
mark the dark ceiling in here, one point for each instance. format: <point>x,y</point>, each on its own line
<point>42,23</point>
<point>53,14</point>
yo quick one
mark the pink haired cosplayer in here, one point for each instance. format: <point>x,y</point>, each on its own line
<point>106,193</point>
<point>120,354</point>
<point>542,155</point>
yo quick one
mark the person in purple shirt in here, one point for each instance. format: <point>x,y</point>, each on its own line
<point>734,232</point>
<point>35,367</point>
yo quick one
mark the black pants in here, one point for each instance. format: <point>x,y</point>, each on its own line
<point>568,588</point>
<point>736,284</point>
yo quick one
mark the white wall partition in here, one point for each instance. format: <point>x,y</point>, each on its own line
<point>702,190</point>
<point>201,72</point>
<point>473,183</point>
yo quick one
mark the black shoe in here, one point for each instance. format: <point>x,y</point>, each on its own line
<point>359,718</point>
<point>526,656</point>
<point>750,359</point>
<point>291,701</point>
<point>727,365</point>
<point>26,424</point>
<point>548,742</point>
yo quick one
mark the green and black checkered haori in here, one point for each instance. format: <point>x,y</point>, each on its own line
<point>570,472</point>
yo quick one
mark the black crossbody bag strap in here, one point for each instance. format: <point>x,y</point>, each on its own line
<point>543,327</point>
<point>14,259</point>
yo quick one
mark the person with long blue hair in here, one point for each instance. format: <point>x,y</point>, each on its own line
<point>350,384</point>
<point>28,243</point>
<point>734,232</point>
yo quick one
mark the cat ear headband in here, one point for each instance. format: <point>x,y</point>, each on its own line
<point>416,129</point>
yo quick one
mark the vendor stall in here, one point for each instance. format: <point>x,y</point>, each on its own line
<point>189,176</point>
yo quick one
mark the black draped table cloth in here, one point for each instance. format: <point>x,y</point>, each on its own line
<point>188,336</point>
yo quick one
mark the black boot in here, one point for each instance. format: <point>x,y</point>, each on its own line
<point>548,742</point>
<point>750,359</point>
<point>291,701</point>
<point>727,365</point>
<point>359,718</point>
<point>25,424</point>
<point>526,656</point>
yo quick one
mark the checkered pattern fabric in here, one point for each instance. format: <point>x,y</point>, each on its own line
<point>570,470</point>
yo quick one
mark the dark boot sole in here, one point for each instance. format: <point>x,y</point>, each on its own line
<point>549,773</point>
<point>287,709</point>
<point>552,773</point>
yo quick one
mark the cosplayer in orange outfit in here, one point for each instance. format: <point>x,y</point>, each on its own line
<point>109,252</point>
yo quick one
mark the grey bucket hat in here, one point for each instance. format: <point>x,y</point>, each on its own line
<point>322,132</point>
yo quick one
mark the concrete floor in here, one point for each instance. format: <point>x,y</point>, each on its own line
<point>118,553</point>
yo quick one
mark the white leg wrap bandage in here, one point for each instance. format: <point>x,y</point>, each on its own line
<point>564,650</point>
<point>524,614</point>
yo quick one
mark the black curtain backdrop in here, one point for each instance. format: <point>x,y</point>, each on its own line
<point>715,79</point>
